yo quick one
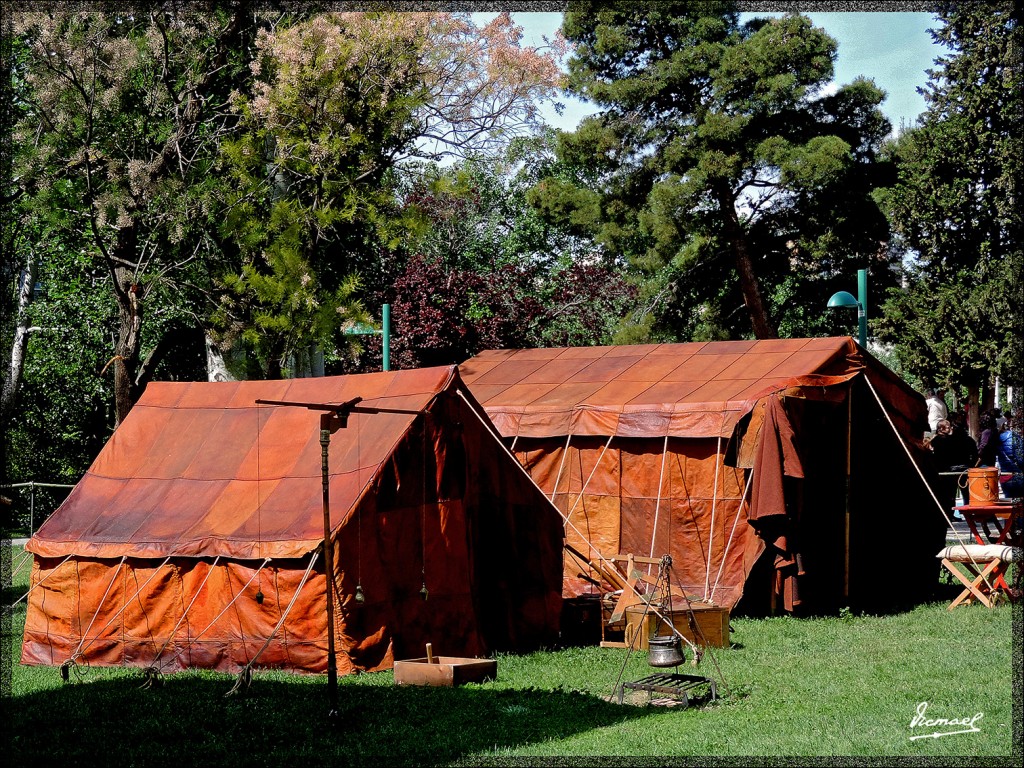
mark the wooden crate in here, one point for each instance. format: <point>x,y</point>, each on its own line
<point>444,671</point>
<point>712,623</point>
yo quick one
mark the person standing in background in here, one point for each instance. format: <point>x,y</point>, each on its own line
<point>1010,456</point>
<point>954,451</point>
<point>937,410</point>
<point>988,440</point>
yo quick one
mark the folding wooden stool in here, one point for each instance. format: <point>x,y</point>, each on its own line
<point>965,562</point>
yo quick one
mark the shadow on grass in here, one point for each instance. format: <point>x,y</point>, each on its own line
<point>189,721</point>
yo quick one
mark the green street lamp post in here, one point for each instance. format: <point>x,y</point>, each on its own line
<point>361,329</point>
<point>844,299</point>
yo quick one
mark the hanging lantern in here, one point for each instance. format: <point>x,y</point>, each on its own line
<point>360,598</point>
<point>423,591</point>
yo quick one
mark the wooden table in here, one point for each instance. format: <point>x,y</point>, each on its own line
<point>1002,518</point>
<point>994,524</point>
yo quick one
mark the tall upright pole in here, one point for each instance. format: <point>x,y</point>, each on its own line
<point>862,309</point>
<point>386,323</point>
<point>328,552</point>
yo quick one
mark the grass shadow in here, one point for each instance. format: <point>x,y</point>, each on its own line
<point>190,720</point>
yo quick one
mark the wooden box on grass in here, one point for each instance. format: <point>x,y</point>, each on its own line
<point>444,671</point>
<point>712,624</point>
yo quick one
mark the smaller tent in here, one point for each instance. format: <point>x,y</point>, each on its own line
<point>195,538</point>
<point>774,470</point>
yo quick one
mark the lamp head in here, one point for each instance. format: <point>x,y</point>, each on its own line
<point>843,299</point>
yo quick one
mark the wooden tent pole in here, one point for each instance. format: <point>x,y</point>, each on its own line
<point>327,420</point>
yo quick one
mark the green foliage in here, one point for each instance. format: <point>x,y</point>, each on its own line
<point>957,320</point>
<point>342,102</point>
<point>738,194</point>
<point>124,111</point>
<point>64,405</point>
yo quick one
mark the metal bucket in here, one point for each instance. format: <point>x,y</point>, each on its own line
<point>664,651</point>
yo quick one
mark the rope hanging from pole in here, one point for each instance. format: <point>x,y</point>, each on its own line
<point>423,514</point>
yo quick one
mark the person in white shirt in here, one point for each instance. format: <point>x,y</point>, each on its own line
<point>937,411</point>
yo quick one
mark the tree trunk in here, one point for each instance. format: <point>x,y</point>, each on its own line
<point>129,339</point>
<point>762,325</point>
<point>216,368</point>
<point>973,410</point>
<point>20,343</point>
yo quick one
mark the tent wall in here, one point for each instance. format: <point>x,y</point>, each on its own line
<point>891,504</point>
<point>621,485</point>
<point>101,601</point>
<point>491,562</point>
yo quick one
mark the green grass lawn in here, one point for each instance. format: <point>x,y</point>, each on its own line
<point>845,686</point>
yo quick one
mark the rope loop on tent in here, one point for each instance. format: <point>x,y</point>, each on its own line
<point>245,676</point>
<point>153,677</point>
<point>77,664</point>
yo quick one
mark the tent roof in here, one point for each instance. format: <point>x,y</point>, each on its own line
<point>199,469</point>
<point>698,389</point>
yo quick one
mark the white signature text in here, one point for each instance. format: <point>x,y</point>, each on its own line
<point>964,724</point>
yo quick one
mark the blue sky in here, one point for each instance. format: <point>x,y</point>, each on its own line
<point>892,48</point>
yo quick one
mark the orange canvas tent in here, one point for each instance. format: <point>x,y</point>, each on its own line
<point>749,462</point>
<point>195,538</point>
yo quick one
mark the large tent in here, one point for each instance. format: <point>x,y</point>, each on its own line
<point>780,470</point>
<point>195,538</point>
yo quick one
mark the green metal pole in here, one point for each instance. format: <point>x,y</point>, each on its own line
<point>862,310</point>
<point>386,322</point>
